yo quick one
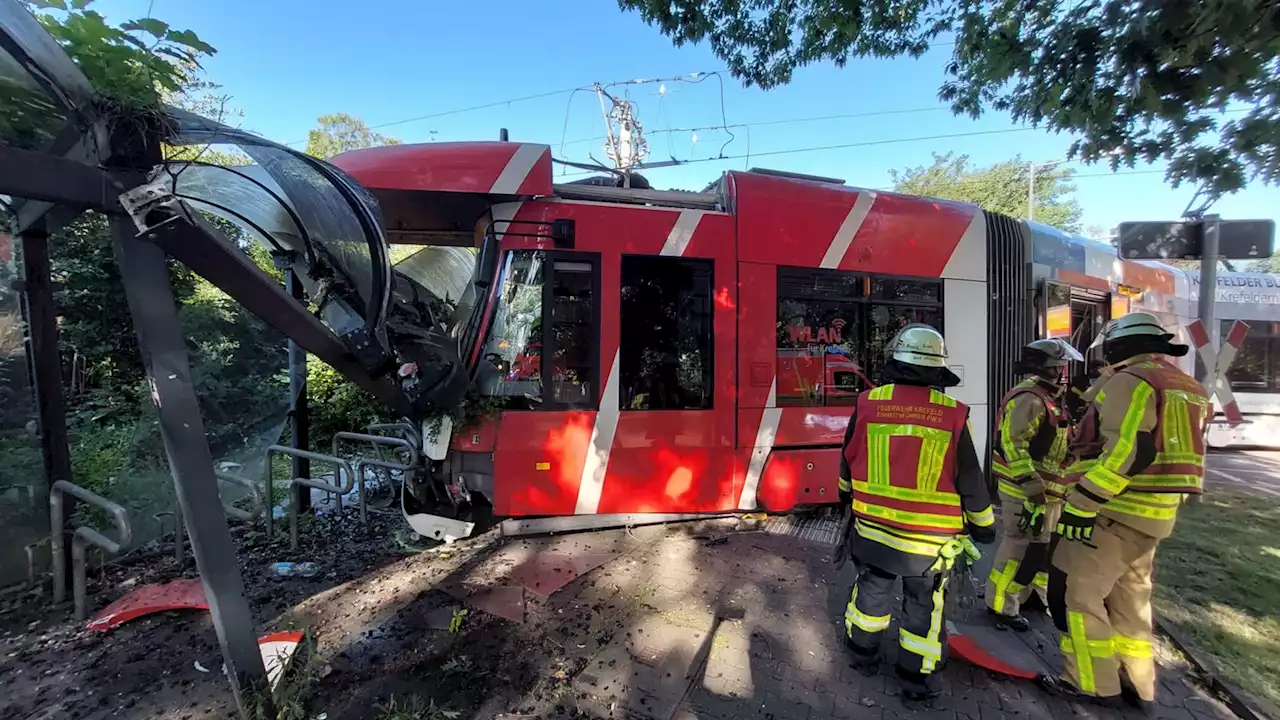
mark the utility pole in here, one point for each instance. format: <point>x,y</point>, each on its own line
<point>1208,281</point>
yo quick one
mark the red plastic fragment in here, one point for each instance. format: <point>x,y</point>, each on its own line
<point>177,595</point>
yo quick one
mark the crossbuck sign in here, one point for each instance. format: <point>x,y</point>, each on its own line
<point>1216,363</point>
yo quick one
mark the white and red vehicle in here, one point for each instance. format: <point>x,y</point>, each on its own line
<point>695,352</point>
<point>677,352</point>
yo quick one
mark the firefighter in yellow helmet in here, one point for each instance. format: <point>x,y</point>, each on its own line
<point>1148,456</point>
<point>1027,461</point>
<point>912,477</point>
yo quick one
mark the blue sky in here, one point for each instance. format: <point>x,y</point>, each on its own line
<point>284,62</point>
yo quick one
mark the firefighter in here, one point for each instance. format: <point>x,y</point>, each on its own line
<point>1027,461</point>
<point>912,477</point>
<point>1148,418</point>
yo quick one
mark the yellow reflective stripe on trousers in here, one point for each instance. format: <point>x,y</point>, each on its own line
<point>1041,580</point>
<point>946,522</point>
<point>901,493</point>
<point>928,648</point>
<point>1000,580</point>
<point>867,623</point>
<point>1132,647</point>
<point>1077,644</point>
<point>907,542</point>
<point>844,485</point>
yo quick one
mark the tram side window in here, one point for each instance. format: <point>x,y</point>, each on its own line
<point>1256,367</point>
<point>896,304</point>
<point>545,327</point>
<point>819,315</point>
<point>833,328</point>
<point>666,346</point>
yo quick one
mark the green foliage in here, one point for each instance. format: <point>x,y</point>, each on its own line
<point>336,404</point>
<point>130,63</point>
<point>1143,80</point>
<point>340,132</point>
<point>998,188</point>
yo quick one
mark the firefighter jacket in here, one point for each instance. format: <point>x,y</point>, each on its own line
<point>910,467</point>
<point>1146,451</point>
<point>1028,456</point>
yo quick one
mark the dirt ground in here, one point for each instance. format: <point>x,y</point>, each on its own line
<point>679,622</point>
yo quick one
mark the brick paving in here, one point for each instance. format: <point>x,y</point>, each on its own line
<point>750,628</point>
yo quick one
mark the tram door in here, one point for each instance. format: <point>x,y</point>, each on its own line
<point>1077,315</point>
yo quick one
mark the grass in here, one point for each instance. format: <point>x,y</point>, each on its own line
<point>1218,583</point>
<point>413,708</point>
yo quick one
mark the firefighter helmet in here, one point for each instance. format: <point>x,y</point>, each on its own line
<point>919,344</point>
<point>1137,324</point>
<point>1050,353</point>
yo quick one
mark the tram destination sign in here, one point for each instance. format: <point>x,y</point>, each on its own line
<point>1181,240</point>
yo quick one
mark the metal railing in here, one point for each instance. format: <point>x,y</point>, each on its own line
<point>399,429</point>
<point>82,538</point>
<point>345,475</point>
<point>378,442</point>
<point>256,505</point>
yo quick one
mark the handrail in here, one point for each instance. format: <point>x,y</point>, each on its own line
<point>377,441</point>
<point>406,430</point>
<point>83,537</point>
<point>256,504</point>
<point>384,440</point>
<point>255,495</point>
<point>345,474</point>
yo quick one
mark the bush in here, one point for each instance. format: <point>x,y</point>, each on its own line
<point>336,405</point>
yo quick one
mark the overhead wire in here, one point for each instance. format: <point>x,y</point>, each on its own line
<point>783,121</point>
<point>843,146</point>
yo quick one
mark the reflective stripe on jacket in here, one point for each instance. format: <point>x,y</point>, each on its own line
<point>1182,411</point>
<point>902,459</point>
<point>1027,448</point>
<point>1148,453</point>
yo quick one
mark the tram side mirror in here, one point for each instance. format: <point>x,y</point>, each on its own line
<point>562,233</point>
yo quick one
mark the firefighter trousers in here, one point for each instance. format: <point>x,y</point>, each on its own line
<point>921,630</point>
<point>1021,563</point>
<point>1100,598</point>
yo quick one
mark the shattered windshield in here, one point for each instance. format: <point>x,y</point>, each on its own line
<point>514,344</point>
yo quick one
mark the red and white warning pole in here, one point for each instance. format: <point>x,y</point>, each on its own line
<point>1216,363</point>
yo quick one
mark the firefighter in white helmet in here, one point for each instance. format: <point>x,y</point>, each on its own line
<point>1147,457</point>
<point>912,477</point>
<point>1027,459</point>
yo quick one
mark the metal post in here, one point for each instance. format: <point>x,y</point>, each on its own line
<point>145,272</point>
<point>1208,282</point>
<point>46,364</point>
<point>299,423</point>
<point>1031,191</point>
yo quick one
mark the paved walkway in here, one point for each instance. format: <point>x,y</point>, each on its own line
<point>1252,471</point>
<point>748,627</point>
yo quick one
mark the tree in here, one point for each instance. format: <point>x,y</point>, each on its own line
<point>998,188</point>
<point>1143,79</point>
<point>340,132</point>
